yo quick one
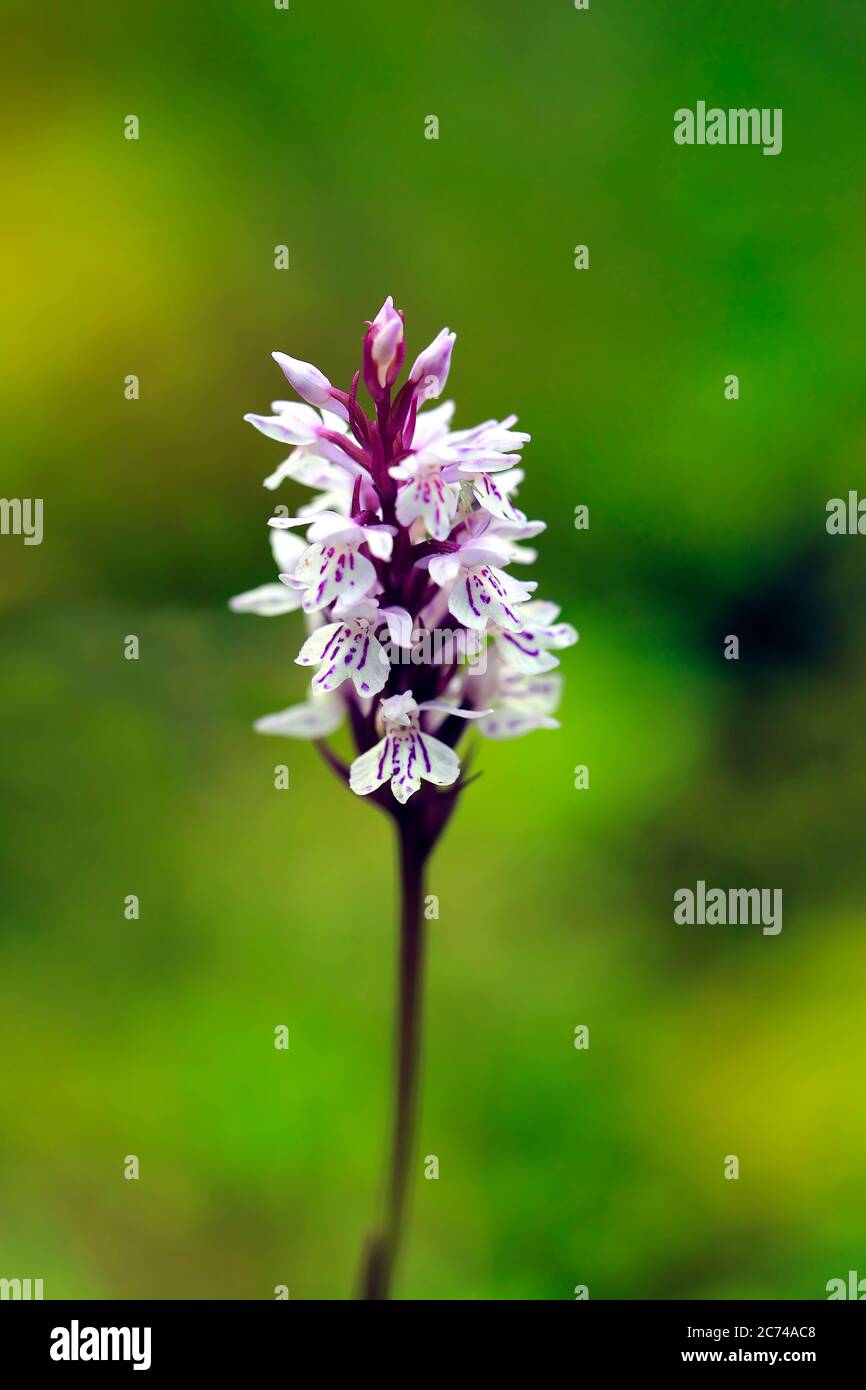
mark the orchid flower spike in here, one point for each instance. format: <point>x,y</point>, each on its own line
<point>404,554</point>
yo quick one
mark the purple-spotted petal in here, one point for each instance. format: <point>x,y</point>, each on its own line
<point>346,651</point>
<point>486,594</point>
<point>330,572</point>
<point>431,499</point>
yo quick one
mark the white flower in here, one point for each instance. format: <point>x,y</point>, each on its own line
<point>479,591</point>
<point>426,495</point>
<point>489,447</point>
<point>483,593</point>
<point>493,494</point>
<point>332,567</point>
<point>529,649</point>
<point>468,456</point>
<point>522,703</point>
<point>406,754</point>
<point>330,572</point>
<point>348,650</point>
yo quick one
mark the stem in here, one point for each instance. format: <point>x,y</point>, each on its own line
<point>382,1249</point>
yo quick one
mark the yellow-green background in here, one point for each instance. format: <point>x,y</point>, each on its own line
<point>258,907</point>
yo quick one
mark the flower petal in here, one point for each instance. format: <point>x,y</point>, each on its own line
<point>268,601</point>
<point>405,764</point>
<point>495,500</point>
<point>439,764</point>
<point>508,723</point>
<point>380,540</point>
<point>436,706</point>
<point>485,594</point>
<point>329,572</point>
<point>350,651</point>
<point>371,769</point>
<point>428,497</point>
<point>297,424</point>
<point>443,568</point>
<point>523,652</point>
<point>313,650</point>
<point>315,719</point>
<point>432,424</point>
<point>399,625</point>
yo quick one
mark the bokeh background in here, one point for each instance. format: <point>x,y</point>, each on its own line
<point>558,1167</point>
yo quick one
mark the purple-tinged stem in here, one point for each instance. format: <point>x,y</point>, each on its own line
<point>382,1250</point>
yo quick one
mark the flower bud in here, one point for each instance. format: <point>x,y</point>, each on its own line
<point>384,350</point>
<point>311,384</point>
<point>430,370</point>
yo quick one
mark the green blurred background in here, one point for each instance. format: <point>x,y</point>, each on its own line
<point>558,1167</point>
